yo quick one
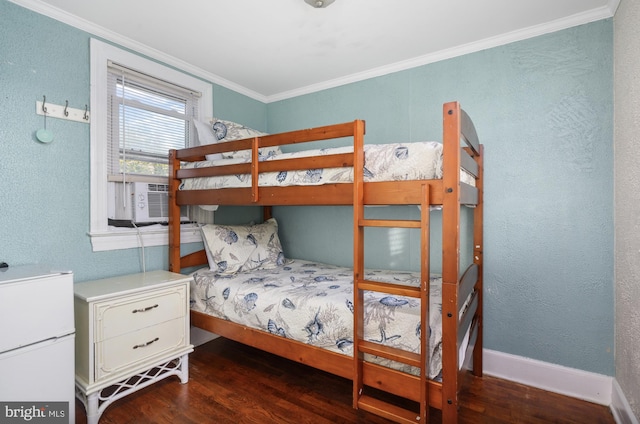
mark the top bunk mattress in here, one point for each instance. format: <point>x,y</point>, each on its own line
<point>383,162</point>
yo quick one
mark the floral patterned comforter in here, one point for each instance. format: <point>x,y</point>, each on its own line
<point>383,162</point>
<point>313,303</point>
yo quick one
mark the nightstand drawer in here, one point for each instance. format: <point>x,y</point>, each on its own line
<point>132,348</point>
<point>135,313</point>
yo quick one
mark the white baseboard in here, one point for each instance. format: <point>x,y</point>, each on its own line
<point>620,408</point>
<point>592,387</point>
<point>579,384</point>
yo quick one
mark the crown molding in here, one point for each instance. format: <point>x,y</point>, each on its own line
<point>613,6</point>
<point>593,15</point>
<point>113,37</point>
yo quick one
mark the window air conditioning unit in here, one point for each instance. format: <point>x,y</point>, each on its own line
<point>151,203</point>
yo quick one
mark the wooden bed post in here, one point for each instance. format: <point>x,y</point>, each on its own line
<point>266,213</point>
<point>450,259</point>
<point>478,246</point>
<point>174,214</point>
<point>358,262</point>
<point>425,302</point>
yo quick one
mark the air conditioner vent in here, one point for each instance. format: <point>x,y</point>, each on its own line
<point>150,202</point>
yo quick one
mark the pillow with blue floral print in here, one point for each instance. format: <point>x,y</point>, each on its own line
<point>235,248</point>
<point>228,131</point>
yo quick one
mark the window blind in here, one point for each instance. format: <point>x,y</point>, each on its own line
<point>147,117</point>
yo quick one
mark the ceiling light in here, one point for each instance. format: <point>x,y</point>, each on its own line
<point>319,3</point>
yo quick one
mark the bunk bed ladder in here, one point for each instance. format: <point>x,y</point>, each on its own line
<point>361,346</point>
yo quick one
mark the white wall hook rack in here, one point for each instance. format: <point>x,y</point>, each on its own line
<point>63,112</point>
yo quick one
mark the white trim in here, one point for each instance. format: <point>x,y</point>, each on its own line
<point>476,46</point>
<point>102,237</point>
<point>613,6</point>
<point>130,239</point>
<point>572,382</point>
<point>620,407</point>
<point>557,25</point>
<point>588,386</point>
<point>90,27</point>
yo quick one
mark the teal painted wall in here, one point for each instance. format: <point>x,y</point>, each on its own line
<point>542,107</point>
<point>44,200</point>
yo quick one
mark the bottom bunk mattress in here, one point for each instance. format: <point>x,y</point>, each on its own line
<point>312,303</point>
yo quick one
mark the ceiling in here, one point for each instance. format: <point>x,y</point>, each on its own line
<point>271,50</point>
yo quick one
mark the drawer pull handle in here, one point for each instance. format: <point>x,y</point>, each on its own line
<point>147,343</point>
<point>148,308</point>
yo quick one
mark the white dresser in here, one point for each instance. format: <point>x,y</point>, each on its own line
<point>130,326</point>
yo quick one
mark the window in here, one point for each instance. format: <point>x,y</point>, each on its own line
<point>147,117</point>
<point>140,110</point>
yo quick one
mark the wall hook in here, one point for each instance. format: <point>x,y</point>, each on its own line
<point>64,111</point>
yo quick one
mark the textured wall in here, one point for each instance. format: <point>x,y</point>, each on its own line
<point>44,200</point>
<point>543,109</point>
<point>627,200</point>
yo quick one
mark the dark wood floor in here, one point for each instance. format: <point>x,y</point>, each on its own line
<point>232,383</point>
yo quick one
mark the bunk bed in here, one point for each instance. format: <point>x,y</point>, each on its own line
<point>457,183</point>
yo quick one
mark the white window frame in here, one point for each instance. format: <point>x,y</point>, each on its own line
<point>102,236</point>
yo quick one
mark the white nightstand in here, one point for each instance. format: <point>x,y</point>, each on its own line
<point>131,331</point>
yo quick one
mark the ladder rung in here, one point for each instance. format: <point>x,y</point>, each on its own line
<point>393,223</point>
<point>387,410</point>
<point>388,288</point>
<point>393,353</point>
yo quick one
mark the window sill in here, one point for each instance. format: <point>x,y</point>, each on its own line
<point>131,238</point>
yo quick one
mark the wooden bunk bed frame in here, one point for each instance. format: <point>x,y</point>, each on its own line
<point>449,192</point>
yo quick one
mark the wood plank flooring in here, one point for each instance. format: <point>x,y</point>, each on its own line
<point>233,383</point>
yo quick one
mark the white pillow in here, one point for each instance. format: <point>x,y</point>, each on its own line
<point>206,136</point>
